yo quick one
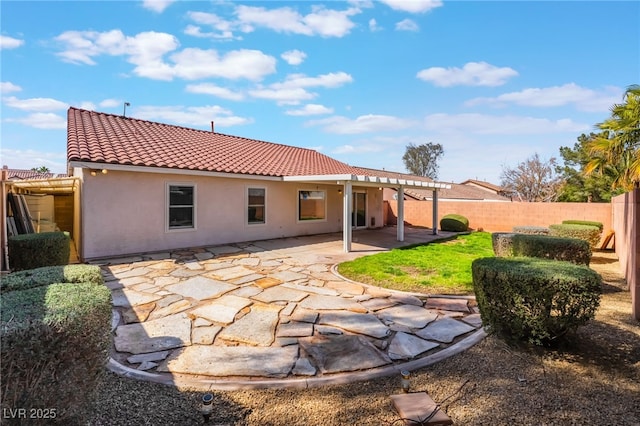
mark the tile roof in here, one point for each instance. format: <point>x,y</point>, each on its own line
<point>20,174</point>
<point>483,184</point>
<point>457,192</point>
<point>113,139</point>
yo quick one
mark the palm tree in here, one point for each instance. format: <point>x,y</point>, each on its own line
<point>617,147</point>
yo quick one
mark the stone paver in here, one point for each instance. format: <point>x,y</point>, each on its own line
<point>270,310</point>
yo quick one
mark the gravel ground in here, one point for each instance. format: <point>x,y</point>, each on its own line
<point>593,379</point>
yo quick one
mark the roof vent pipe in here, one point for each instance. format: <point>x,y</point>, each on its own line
<point>212,127</point>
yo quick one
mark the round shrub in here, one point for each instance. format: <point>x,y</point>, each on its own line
<point>46,275</point>
<point>584,222</point>
<point>590,234</point>
<point>535,300</point>
<point>553,248</point>
<point>29,251</point>
<point>454,223</point>
<point>531,230</point>
<point>502,244</point>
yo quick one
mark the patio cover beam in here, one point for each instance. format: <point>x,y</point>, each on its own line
<point>346,216</point>
<point>400,224</point>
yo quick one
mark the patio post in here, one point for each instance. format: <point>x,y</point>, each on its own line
<point>435,212</point>
<point>346,216</point>
<point>400,226</point>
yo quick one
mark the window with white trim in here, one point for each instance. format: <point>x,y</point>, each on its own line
<point>256,205</point>
<point>181,206</point>
<point>312,205</point>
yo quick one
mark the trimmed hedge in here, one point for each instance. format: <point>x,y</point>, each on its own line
<point>29,251</point>
<point>502,243</point>
<point>552,248</point>
<point>535,300</point>
<point>454,223</point>
<point>38,277</point>
<point>531,230</point>
<point>588,233</point>
<point>584,222</point>
<point>55,341</point>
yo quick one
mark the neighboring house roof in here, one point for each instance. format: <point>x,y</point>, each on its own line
<point>19,174</point>
<point>456,192</point>
<point>113,139</point>
<point>487,186</point>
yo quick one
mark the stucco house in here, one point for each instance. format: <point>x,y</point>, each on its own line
<point>147,186</point>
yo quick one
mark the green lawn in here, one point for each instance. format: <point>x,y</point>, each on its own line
<point>436,268</point>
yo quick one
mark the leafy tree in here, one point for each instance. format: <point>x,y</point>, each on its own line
<point>576,186</point>
<point>618,145</point>
<point>41,169</point>
<point>422,160</point>
<point>532,180</point>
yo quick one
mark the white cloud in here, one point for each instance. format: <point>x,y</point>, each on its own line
<point>373,25</point>
<point>223,28</point>
<point>310,109</point>
<point>363,124</point>
<point>294,57</point>
<point>8,87</point>
<point>41,120</point>
<point>283,95</point>
<point>471,74</point>
<point>330,80</point>
<point>413,6</point>
<point>321,21</point>
<point>110,103</point>
<point>484,124</point>
<point>292,90</point>
<point>157,5</point>
<point>215,90</point>
<point>568,94</point>
<point>87,105</point>
<point>360,148</point>
<point>407,25</point>
<point>193,63</point>
<point>35,104</point>
<point>7,42</point>
<point>29,158</point>
<point>191,116</point>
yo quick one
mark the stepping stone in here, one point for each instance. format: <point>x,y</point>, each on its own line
<point>163,281</point>
<point>167,300</point>
<point>304,367</point>
<point>404,346</point>
<point>247,291</point>
<point>336,354</point>
<point>214,265</point>
<point>125,260</point>
<point>257,328</point>
<point>203,256</point>
<point>407,299</point>
<point>225,361</point>
<point>447,304</point>
<point>223,250</point>
<point>304,315</point>
<point>318,267</point>
<point>378,303</point>
<point>285,276</point>
<point>147,365</point>
<point>248,261</point>
<point>325,329</point>
<point>171,309</point>
<point>408,315</point>
<point>158,256</point>
<point>288,310</point>
<point>201,322</point>
<point>321,302</point>
<point>193,265</point>
<point>136,272</point>
<point>233,272</point>
<point>444,330</point>
<point>113,285</point>
<point>152,356</point>
<point>165,333</point>
<point>346,287</point>
<point>247,279</point>
<point>200,288</point>
<point>366,324</point>
<point>128,298</point>
<point>473,320</point>
<point>312,289</point>
<point>273,294</point>
<point>147,287</point>
<point>138,313</point>
<point>268,282</point>
<point>115,319</point>
<point>270,263</point>
<point>184,273</point>
<point>204,335</point>
<point>222,310</point>
<point>128,282</point>
<point>295,329</point>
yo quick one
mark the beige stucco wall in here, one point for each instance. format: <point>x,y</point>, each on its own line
<point>124,212</point>
<point>626,214</point>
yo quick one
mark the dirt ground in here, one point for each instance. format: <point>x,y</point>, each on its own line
<point>592,379</point>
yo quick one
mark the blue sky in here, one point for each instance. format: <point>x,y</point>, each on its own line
<point>493,82</point>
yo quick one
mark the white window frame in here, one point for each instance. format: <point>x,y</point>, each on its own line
<point>167,203</point>
<point>247,206</point>
<point>324,219</point>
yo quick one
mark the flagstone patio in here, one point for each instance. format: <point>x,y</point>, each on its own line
<point>275,313</point>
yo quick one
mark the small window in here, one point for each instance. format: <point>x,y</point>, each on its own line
<point>181,206</point>
<point>311,205</point>
<point>256,205</point>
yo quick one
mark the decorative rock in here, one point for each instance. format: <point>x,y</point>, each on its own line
<point>222,310</point>
<point>404,346</point>
<point>447,304</point>
<point>200,288</point>
<point>304,367</point>
<point>444,330</point>
<point>232,361</point>
<point>204,335</point>
<point>127,298</point>
<point>408,315</point>
<point>256,328</point>
<point>335,354</point>
<point>366,324</point>
<point>165,333</point>
<point>152,356</point>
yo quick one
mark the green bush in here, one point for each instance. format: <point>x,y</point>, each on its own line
<point>46,275</point>
<point>535,300</point>
<point>454,223</point>
<point>553,248</point>
<point>502,243</point>
<point>29,251</point>
<point>590,234</point>
<point>584,222</point>
<point>55,342</point>
<point>531,230</point>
